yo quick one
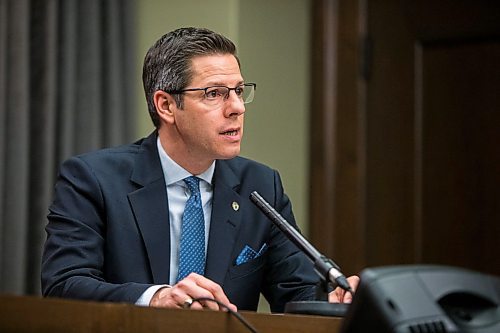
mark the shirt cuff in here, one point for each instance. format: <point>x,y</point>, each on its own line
<point>146,296</point>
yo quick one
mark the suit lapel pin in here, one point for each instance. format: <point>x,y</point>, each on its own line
<point>235,206</point>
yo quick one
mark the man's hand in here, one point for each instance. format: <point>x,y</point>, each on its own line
<point>339,295</point>
<point>191,287</point>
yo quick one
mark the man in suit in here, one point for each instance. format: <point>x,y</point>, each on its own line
<point>119,221</point>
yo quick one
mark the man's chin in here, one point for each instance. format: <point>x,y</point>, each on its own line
<point>229,154</point>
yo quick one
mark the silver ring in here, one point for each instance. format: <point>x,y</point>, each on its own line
<point>187,303</point>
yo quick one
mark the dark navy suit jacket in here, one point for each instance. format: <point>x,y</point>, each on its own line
<point>108,236</point>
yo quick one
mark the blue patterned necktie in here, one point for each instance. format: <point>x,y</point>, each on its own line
<point>192,244</point>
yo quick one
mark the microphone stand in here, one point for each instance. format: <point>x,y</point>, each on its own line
<point>328,271</point>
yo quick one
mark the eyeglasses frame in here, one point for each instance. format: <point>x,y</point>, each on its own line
<point>182,91</point>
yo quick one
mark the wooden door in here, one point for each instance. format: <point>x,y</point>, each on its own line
<point>426,184</point>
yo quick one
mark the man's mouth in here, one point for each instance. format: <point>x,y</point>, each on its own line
<point>230,132</point>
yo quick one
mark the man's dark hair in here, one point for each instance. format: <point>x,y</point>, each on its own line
<point>167,64</point>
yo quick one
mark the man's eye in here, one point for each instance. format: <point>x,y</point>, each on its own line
<point>213,93</point>
<point>239,90</point>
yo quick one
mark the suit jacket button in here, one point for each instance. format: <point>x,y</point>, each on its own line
<point>235,206</point>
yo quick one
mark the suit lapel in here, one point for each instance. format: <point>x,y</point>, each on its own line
<point>225,222</point>
<point>150,206</point>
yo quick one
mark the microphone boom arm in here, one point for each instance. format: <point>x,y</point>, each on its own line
<point>326,268</point>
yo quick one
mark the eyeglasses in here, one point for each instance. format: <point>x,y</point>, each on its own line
<point>216,95</point>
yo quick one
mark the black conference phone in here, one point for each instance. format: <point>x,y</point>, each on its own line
<point>424,299</point>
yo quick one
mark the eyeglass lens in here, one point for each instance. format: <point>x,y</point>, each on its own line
<point>218,94</point>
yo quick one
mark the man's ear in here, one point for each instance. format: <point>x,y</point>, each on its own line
<point>165,105</point>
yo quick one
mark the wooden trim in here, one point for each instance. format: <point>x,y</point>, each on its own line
<point>35,314</point>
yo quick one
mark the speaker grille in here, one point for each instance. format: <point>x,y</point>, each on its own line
<point>428,327</point>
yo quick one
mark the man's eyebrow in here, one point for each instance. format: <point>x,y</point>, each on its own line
<point>218,83</point>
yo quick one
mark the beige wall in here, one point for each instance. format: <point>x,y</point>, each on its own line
<point>272,37</point>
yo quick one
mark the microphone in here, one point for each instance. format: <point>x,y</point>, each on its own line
<point>326,268</point>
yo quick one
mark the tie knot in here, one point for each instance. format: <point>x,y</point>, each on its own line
<point>193,183</point>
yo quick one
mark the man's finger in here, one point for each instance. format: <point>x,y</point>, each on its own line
<point>341,296</point>
<point>214,289</point>
<point>347,298</point>
<point>191,286</point>
<point>353,282</point>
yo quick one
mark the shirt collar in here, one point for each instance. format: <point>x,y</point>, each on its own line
<point>173,172</point>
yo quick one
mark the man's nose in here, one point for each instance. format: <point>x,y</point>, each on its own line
<point>234,105</point>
